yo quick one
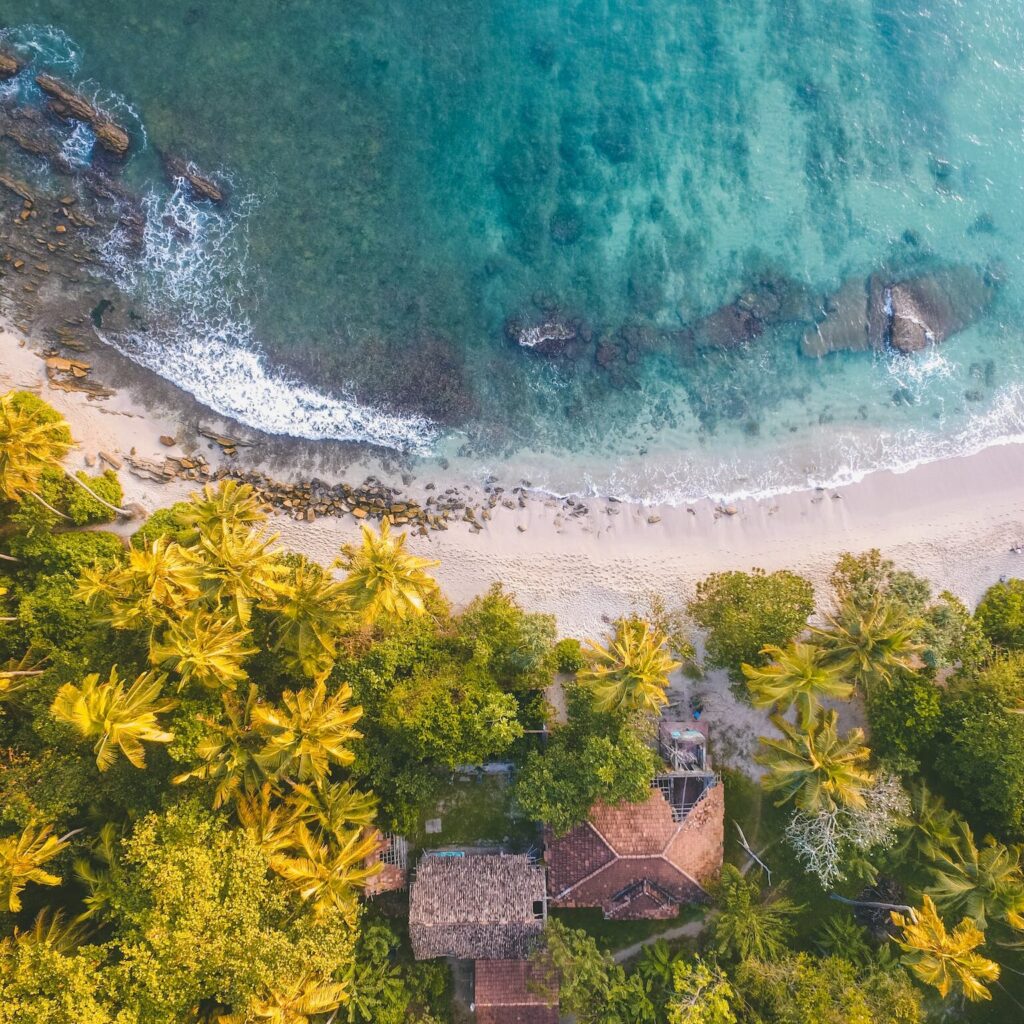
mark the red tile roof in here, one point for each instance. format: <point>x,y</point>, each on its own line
<point>514,992</point>
<point>597,863</point>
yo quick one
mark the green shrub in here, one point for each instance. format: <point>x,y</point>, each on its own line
<point>1001,614</point>
<point>569,656</point>
<point>904,716</point>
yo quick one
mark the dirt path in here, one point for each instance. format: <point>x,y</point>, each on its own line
<point>689,930</point>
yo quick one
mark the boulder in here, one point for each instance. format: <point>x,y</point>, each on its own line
<point>548,337</point>
<point>907,315</point>
<point>771,299</point>
<point>201,186</point>
<point>9,65</point>
<point>68,104</point>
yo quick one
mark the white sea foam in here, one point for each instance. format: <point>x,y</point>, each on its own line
<point>78,146</point>
<point>46,44</point>
<point>189,279</point>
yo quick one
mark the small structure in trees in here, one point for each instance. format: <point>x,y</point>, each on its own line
<point>476,906</point>
<point>643,860</point>
<point>514,992</point>
<point>392,855</point>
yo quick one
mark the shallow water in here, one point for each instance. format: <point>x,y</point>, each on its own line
<point>406,177</point>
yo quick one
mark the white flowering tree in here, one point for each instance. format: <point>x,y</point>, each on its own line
<point>827,842</point>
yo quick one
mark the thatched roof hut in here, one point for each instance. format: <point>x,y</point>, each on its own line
<point>476,906</point>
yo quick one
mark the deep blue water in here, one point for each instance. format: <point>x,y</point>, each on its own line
<point>414,185</point>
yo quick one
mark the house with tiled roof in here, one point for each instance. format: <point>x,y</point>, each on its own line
<point>514,992</point>
<point>644,860</point>
<point>476,906</point>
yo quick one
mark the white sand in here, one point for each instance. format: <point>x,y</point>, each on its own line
<point>952,522</point>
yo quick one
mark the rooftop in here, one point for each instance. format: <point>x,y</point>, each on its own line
<point>476,906</point>
<point>514,992</point>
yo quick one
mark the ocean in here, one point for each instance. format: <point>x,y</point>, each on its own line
<point>655,249</point>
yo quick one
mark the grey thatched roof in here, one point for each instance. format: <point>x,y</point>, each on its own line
<point>476,907</point>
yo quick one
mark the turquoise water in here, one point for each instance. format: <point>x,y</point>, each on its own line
<point>407,177</point>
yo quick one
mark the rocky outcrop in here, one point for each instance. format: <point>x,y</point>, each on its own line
<point>200,185</point>
<point>68,104</point>
<point>771,300</point>
<point>9,65</point>
<point>549,336</point>
<point>906,314</point>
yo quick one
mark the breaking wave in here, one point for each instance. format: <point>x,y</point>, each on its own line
<point>189,279</point>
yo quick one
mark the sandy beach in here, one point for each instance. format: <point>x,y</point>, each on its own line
<point>953,521</point>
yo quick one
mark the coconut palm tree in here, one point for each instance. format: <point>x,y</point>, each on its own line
<point>239,569</point>
<point>748,923</point>
<point>49,929</point>
<point>931,826</point>
<point>270,823</point>
<point>21,861</point>
<point>228,753</point>
<point>33,438</point>
<point>311,612</point>
<point>983,884</point>
<point>17,675</point>
<point>334,807</point>
<point>328,875</point>
<point>798,675</point>
<point>383,581</point>
<point>157,582</point>
<point>946,960</point>
<point>869,644</point>
<point>227,507</point>
<point>203,647</point>
<point>296,1002</point>
<point>815,767</point>
<point>120,719</point>
<point>631,672</point>
<point>308,733</point>
<point>96,871</point>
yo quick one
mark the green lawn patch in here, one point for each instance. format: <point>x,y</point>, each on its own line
<point>615,935</point>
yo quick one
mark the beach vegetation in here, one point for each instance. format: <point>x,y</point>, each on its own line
<point>799,676</point>
<point>1000,614</point>
<point>630,671</point>
<point>745,612</point>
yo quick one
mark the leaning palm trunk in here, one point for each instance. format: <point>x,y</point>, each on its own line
<point>9,558</point>
<point>85,487</point>
<point>42,501</point>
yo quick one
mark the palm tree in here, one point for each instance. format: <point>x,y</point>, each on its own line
<point>296,1002</point>
<point>49,929</point>
<point>311,613</point>
<point>120,719</point>
<point>158,582</point>
<point>271,824</point>
<point>328,875</point>
<point>97,870</point>
<point>334,807</point>
<point>228,755</point>
<point>21,861</point>
<point>228,507</point>
<point>239,568</point>
<point>749,924</point>
<point>382,579</point>
<point>870,644</point>
<point>308,733</point>
<point>797,675</point>
<point>984,885</point>
<point>17,676</point>
<point>816,767</point>
<point>944,959</point>
<point>931,827</point>
<point>631,672</point>
<point>205,648</point>
<point>33,438</point>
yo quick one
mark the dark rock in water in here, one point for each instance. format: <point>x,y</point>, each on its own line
<point>548,337</point>
<point>771,300</point>
<point>9,65</point>
<point>845,325</point>
<point>929,309</point>
<point>68,104</point>
<point>201,186</point>
<point>907,315</point>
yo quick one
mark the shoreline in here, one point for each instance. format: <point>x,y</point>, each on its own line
<point>952,521</point>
